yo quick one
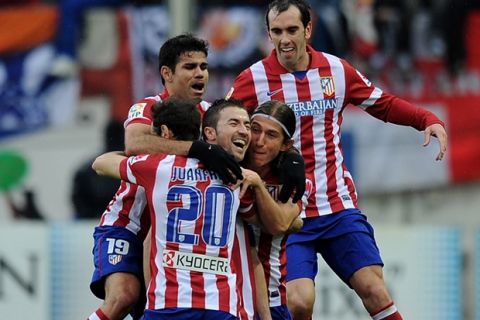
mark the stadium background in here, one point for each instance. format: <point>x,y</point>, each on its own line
<point>425,213</point>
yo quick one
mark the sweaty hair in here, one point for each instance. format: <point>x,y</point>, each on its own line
<point>280,6</point>
<point>280,113</point>
<point>211,116</point>
<point>180,116</point>
<point>173,48</point>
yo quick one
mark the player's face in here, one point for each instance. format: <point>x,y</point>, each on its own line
<point>267,141</point>
<point>190,77</point>
<point>290,37</point>
<point>233,131</point>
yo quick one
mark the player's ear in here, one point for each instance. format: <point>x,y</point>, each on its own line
<point>166,73</point>
<point>308,30</point>
<point>165,132</point>
<point>287,145</point>
<point>210,134</point>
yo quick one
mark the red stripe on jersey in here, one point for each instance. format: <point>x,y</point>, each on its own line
<point>312,210</point>
<point>349,182</point>
<point>222,284</point>
<point>264,251</point>
<point>171,284</point>
<point>351,187</point>
<point>153,269</point>
<point>236,268</point>
<point>224,296</point>
<point>275,86</point>
<point>196,278</point>
<point>121,189</point>
<point>332,193</point>
<point>145,223</point>
<point>283,270</point>
<point>245,80</point>
<point>127,203</point>
<point>307,136</point>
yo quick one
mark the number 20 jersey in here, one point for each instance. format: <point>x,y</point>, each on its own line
<point>193,221</point>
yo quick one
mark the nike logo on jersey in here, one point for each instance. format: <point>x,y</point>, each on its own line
<point>274,92</point>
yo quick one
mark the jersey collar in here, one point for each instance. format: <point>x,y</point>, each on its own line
<point>274,67</point>
<point>164,95</point>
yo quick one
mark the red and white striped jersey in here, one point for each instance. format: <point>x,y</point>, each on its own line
<point>193,229</point>
<point>128,207</point>
<point>242,259</point>
<point>272,249</point>
<point>318,98</point>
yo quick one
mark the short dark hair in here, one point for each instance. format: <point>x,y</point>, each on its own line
<point>283,5</point>
<point>211,116</point>
<point>280,112</point>
<point>180,116</point>
<point>173,48</point>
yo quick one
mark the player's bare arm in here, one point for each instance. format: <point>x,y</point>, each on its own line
<point>139,139</point>
<point>296,225</point>
<point>275,217</point>
<point>108,164</point>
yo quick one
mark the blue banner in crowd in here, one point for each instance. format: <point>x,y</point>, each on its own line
<point>30,99</point>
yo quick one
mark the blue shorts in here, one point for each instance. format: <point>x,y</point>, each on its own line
<point>345,240</point>
<point>116,249</point>
<point>278,313</point>
<point>186,314</point>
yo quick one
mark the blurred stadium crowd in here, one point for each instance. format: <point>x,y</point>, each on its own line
<point>71,50</point>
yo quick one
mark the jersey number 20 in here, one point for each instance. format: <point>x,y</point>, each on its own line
<point>186,204</point>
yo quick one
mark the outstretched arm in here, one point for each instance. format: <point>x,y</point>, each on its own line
<point>108,164</point>
<point>139,139</point>
<point>438,131</point>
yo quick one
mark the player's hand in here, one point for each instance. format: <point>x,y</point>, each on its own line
<point>215,158</point>
<point>437,130</point>
<point>251,180</point>
<point>292,176</point>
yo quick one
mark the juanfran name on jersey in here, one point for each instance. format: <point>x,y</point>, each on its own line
<point>192,174</point>
<point>195,262</point>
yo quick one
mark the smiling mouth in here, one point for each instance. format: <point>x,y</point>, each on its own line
<point>286,50</point>
<point>239,143</point>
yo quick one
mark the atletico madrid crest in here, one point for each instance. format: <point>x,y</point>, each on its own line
<point>328,86</point>
<point>114,258</point>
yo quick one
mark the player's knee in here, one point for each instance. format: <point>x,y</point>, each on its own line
<point>122,301</point>
<point>300,306</point>
<point>375,295</point>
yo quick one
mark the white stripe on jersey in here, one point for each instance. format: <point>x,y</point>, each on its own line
<point>248,298</point>
<point>275,275</point>
<point>261,82</point>
<point>338,73</point>
<point>132,192</point>
<point>93,316</point>
<point>376,94</point>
